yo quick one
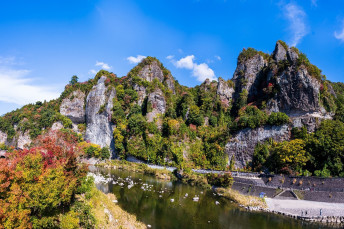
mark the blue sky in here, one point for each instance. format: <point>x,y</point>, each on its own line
<point>44,43</point>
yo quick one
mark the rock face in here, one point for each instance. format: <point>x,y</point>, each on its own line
<point>24,140</point>
<point>247,75</point>
<point>3,137</point>
<point>169,81</point>
<point>151,72</point>
<point>98,115</point>
<point>141,91</point>
<point>57,126</point>
<point>74,107</point>
<point>156,101</point>
<point>299,92</point>
<point>297,95</point>
<point>280,53</point>
<point>243,144</point>
<point>224,92</point>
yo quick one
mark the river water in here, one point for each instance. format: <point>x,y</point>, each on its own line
<point>166,204</point>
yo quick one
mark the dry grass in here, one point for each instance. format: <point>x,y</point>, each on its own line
<point>241,199</point>
<point>110,215</point>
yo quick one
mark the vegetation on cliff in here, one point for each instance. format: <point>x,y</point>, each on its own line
<point>320,153</point>
<point>191,126</point>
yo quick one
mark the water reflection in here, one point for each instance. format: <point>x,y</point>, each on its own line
<point>150,200</point>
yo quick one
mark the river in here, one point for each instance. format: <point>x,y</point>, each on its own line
<point>167,204</point>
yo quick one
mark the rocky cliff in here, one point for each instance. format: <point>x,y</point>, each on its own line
<point>241,146</point>
<point>73,107</point>
<point>99,105</point>
<point>157,105</point>
<point>225,92</point>
<point>149,115</point>
<point>284,85</point>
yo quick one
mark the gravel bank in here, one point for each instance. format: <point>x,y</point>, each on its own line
<point>299,208</point>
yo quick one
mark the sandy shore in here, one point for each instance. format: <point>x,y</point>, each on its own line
<point>299,208</point>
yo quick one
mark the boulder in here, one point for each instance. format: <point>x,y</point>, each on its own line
<point>157,103</point>
<point>73,107</point>
<point>98,115</point>
<point>244,142</point>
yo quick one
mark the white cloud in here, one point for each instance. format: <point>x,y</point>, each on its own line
<point>203,72</point>
<point>200,71</point>
<point>170,57</point>
<point>92,71</point>
<point>218,57</point>
<point>340,35</point>
<point>16,87</point>
<point>297,25</point>
<point>135,60</point>
<point>103,65</point>
<point>186,62</point>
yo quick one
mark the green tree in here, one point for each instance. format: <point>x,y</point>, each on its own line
<point>74,80</point>
<point>289,156</point>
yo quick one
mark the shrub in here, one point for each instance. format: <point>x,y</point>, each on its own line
<point>137,124</point>
<point>213,121</point>
<point>312,69</point>
<point>251,117</point>
<point>278,119</point>
<point>105,153</point>
<point>247,54</point>
<point>195,117</point>
<point>37,184</point>
<point>220,180</point>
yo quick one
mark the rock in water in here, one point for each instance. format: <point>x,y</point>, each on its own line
<point>98,115</point>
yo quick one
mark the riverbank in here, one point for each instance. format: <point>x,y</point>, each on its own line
<point>308,210</point>
<point>160,172</point>
<point>107,213</point>
<point>332,213</point>
<point>251,202</point>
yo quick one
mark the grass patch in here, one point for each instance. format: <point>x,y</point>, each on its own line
<point>278,191</point>
<point>195,179</point>
<point>300,194</point>
<point>241,199</point>
<point>107,213</point>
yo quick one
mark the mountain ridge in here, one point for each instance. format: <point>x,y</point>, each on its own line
<point>148,114</point>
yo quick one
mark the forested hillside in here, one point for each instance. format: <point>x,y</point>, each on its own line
<point>278,113</point>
